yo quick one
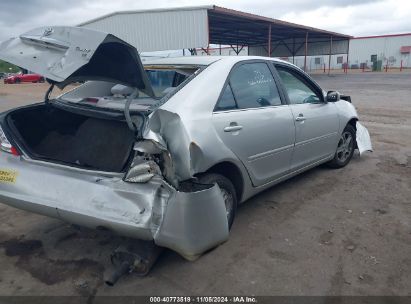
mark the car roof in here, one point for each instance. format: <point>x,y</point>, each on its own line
<point>204,60</point>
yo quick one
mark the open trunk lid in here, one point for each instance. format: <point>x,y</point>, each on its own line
<point>66,54</point>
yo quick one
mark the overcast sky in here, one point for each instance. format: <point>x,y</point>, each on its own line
<point>357,18</point>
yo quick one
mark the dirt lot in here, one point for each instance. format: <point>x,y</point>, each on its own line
<point>326,232</point>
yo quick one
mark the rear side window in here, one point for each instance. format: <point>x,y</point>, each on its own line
<point>253,86</point>
<point>227,101</point>
<point>161,80</point>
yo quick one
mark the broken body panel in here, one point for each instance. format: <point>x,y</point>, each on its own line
<point>363,139</point>
<point>147,211</point>
<point>65,54</point>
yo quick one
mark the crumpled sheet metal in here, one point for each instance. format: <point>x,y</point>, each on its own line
<point>193,222</point>
<point>167,129</point>
<point>56,53</point>
<point>363,139</point>
<point>187,222</point>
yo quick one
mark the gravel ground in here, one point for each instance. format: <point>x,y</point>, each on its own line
<point>325,232</point>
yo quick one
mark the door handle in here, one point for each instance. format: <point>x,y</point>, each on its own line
<point>300,117</point>
<point>233,128</point>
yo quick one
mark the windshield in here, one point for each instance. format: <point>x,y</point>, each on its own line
<point>164,80</point>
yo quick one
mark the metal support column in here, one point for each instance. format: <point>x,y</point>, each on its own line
<point>305,52</point>
<point>329,56</point>
<point>269,40</point>
<point>293,49</point>
<point>348,52</point>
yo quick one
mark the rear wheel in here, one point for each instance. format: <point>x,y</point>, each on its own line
<point>41,79</point>
<point>228,192</point>
<point>345,148</point>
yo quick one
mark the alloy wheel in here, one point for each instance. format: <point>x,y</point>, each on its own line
<point>345,146</point>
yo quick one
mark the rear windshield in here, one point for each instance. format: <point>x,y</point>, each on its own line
<point>164,80</point>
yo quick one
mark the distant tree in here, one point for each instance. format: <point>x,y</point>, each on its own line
<point>8,67</point>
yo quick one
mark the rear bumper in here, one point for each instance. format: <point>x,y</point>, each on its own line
<point>187,222</point>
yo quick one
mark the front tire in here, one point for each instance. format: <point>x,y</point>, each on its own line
<point>345,148</point>
<point>17,81</point>
<point>227,190</point>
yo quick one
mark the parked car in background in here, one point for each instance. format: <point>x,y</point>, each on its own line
<point>163,151</point>
<point>19,78</point>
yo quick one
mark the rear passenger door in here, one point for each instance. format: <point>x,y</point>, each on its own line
<point>316,121</point>
<point>254,122</point>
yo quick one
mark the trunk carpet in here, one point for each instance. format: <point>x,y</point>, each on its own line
<point>98,144</point>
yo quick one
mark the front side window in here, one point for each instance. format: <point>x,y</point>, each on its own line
<point>253,86</point>
<point>298,91</point>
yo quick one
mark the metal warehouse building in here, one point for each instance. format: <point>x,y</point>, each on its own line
<point>365,52</point>
<point>393,50</point>
<point>199,27</point>
<point>195,29</point>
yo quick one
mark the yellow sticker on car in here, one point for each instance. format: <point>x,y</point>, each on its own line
<point>8,176</point>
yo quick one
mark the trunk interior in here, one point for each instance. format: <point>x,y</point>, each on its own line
<point>52,134</point>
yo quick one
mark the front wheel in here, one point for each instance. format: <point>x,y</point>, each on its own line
<point>17,81</point>
<point>227,190</point>
<point>345,148</point>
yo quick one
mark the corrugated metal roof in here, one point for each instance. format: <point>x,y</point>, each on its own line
<point>284,25</point>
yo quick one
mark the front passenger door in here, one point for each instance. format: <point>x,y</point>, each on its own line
<point>316,121</point>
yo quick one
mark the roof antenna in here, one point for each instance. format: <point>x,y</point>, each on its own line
<point>47,96</point>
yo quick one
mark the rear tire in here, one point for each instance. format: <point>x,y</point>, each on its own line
<point>228,191</point>
<point>345,148</point>
<point>41,80</point>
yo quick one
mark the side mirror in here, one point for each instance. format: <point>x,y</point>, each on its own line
<point>333,96</point>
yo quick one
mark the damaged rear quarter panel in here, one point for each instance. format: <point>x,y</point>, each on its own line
<point>184,125</point>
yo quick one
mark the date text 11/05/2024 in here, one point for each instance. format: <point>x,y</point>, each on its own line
<point>204,299</point>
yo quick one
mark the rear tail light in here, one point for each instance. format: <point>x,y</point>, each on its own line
<point>5,145</point>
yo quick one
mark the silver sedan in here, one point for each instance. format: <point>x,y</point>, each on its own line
<point>162,150</point>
